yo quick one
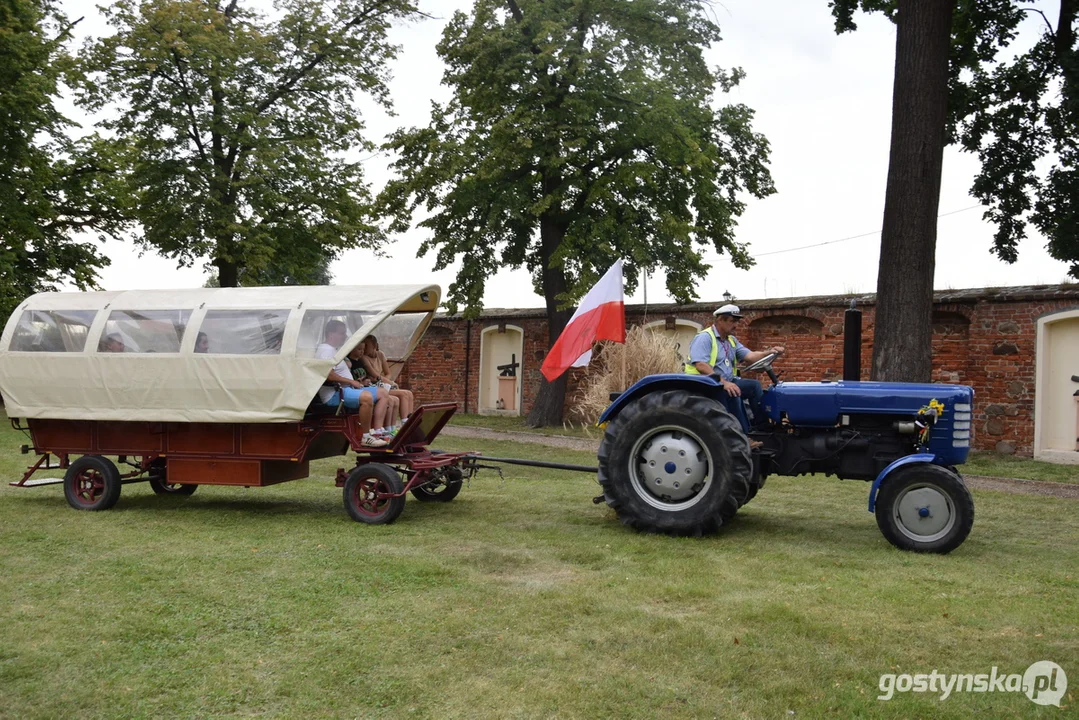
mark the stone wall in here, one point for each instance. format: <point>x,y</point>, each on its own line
<point>983,337</point>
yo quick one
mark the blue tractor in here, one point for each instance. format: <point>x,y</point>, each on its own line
<point>673,459</point>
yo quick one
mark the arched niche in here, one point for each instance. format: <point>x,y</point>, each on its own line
<point>501,345</point>
<point>780,327</point>
<point>950,324</point>
<point>680,330</point>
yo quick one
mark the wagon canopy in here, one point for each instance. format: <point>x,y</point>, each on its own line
<point>202,355</point>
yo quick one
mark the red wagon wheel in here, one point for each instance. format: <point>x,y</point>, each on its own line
<point>443,486</point>
<point>92,483</point>
<point>159,482</point>
<point>374,494</point>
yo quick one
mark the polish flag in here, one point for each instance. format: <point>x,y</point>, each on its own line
<point>600,316</point>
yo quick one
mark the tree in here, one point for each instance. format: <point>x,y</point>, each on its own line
<point>1015,115</point>
<point>307,271</point>
<point>902,339</point>
<point>51,186</point>
<point>579,132</point>
<point>233,128</point>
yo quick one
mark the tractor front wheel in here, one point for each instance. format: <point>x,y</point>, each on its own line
<point>925,508</point>
<point>676,463</point>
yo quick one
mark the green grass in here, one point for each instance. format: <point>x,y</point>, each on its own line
<point>519,599</point>
<point>517,424</point>
<point>985,463</point>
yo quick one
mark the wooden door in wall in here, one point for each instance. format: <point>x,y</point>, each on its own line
<point>1058,416</point>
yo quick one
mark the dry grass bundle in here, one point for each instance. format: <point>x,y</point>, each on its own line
<point>646,353</point>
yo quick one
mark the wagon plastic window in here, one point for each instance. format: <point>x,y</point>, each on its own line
<point>241,332</point>
<point>144,331</point>
<point>52,331</point>
<point>395,333</point>
<point>313,327</point>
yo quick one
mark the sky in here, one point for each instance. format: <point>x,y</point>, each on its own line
<point>822,100</point>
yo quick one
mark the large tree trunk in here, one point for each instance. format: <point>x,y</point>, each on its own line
<point>228,273</point>
<point>902,339</point>
<point>547,408</point>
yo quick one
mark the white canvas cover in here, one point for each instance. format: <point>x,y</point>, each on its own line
<point>53,365</point>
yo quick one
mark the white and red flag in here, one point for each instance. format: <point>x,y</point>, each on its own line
<point>600,316</point>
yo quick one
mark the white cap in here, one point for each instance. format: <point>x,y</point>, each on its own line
<point>728,309</point>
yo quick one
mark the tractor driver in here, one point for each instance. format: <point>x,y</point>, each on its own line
<point>716,352</point>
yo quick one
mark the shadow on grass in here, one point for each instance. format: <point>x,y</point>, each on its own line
<point>248,507</point>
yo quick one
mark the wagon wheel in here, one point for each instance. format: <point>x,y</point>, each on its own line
<point>442,487</point>
<point>92,483</point>
<point>367,494</point>
<point>160,484</point>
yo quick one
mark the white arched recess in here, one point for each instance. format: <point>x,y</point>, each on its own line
<point>1056,408</point>
<point>683,333</point>
<point>500,345</point>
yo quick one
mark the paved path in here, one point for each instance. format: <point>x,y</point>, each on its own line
<point>977,482</point>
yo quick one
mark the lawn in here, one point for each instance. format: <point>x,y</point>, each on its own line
<point>517,424</point>
<point>519,599</point>
<point>993,465</point>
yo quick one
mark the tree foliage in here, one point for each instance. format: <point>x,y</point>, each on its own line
<point>51,187</point>
<point>592,117</point>
<point>234,130</point>
<point>1017,109</point>
<point>579,132</point>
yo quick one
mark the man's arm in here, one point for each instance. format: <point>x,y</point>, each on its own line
<point>753,356</point>
<point>347,382</point>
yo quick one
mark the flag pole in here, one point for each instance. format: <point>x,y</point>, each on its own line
<point>623,368</point>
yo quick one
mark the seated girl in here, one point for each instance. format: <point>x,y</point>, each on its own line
<point>384,426</point>
<point>378,369</point>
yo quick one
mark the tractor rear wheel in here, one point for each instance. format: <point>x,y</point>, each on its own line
<point>925,508</point>
<point>676,463</point>
<point>92,483</point>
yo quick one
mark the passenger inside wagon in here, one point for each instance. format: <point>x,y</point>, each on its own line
<point>373,403</point>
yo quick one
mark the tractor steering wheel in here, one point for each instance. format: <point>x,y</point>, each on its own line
<point>765,364</point>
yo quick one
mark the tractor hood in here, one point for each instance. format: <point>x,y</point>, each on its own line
<point>822,403</point>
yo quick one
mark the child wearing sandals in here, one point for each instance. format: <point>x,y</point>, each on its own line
<point>359,373</point>
<point>378,369</point>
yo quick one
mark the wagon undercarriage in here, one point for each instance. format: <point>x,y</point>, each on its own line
<point>177,457</point>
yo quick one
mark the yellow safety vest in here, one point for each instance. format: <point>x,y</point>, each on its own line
<point>691,369</point>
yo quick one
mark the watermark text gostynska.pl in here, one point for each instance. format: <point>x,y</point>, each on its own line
<point>1044,683</point>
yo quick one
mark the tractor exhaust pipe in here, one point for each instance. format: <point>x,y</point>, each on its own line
<point>852,343</point>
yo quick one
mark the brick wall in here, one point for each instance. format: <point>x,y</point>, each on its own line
<point>983,337</point>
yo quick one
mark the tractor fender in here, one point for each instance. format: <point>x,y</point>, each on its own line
<point>697,384</point>
<point>907,460</point>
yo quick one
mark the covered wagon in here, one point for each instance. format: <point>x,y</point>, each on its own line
<point>214,387</point>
